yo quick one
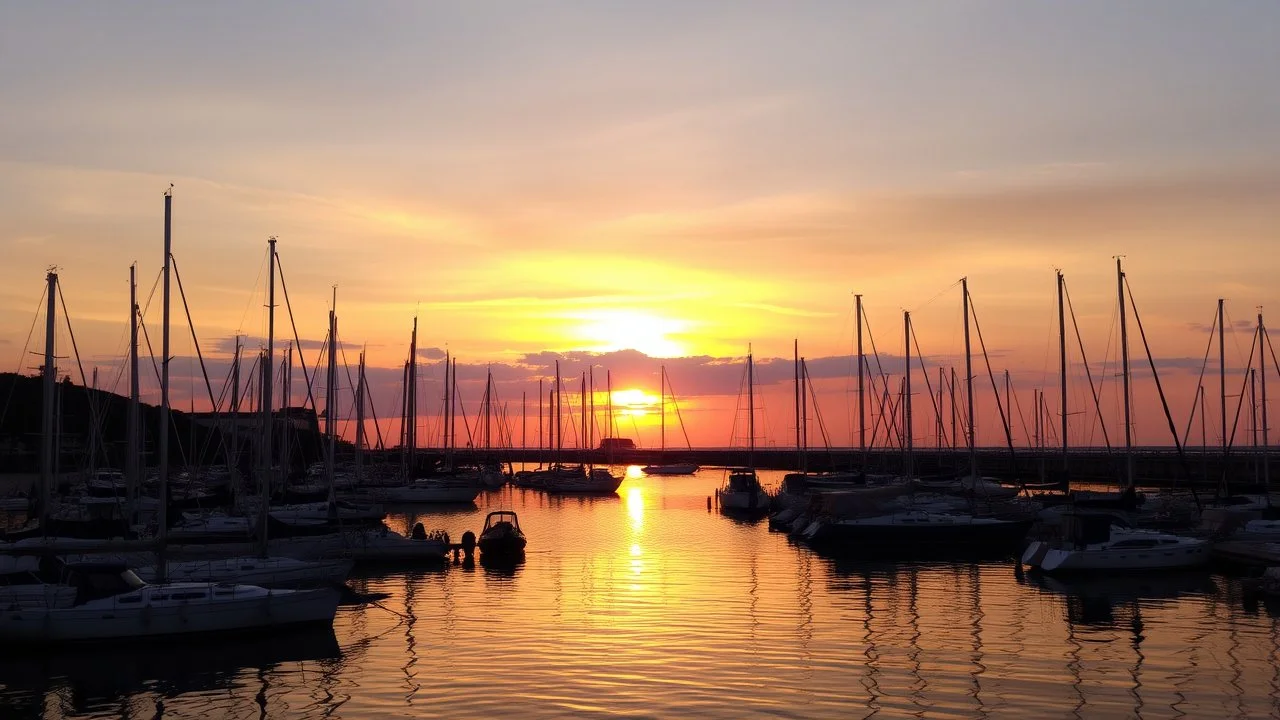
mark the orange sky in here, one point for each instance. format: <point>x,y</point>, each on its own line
<point>652,179</point>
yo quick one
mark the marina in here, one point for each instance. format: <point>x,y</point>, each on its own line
<point>647,604</point>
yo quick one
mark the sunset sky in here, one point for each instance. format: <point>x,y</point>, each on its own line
<point>612,183</point>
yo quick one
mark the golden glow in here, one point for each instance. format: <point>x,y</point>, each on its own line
<point>612,330</point>
<point>634,403</point>
<point>633,472</point>
<point>635,507</point>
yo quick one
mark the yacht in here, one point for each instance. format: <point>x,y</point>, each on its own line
<point>742,492</point>
<point>1091,542</point>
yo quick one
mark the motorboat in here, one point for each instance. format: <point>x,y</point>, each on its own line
<point>501,534</point>
<point>1091,542</point>
<point>112,602</point>
<point>742,492</point>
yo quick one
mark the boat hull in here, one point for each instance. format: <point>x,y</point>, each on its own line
<point>912,540</point>
<point>1042,556</point>
<point>239,609</point>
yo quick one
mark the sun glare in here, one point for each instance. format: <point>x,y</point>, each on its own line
<point>613,330</point>
<point>633,402</point>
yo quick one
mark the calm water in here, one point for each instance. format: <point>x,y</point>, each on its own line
<point>646,605</point>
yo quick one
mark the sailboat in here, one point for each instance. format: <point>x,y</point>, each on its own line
<point>796,486</point>
<point>668,468</point>
<point>111,601</point>
<point>1090,541</point>
<point>742,491</point>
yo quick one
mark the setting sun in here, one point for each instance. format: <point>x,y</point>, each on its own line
<point>634,403</point>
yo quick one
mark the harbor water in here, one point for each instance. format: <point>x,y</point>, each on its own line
<point>648,605</point>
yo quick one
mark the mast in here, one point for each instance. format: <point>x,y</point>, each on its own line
<point>330,396</point>
<point>133,453</point>
<point>448,392</point>
<point>559,435</point>
<point>267,363</point>
<point>360,419</point>
<point>488,399</point>
<point>862,403</point>
<point>907,434</point>
<point>524,420</point>
<point>1253,416</point>
<point>1266,443</point>
<point>540,414</point>
<point>662,405</point>
<point>48,374</point>
<point>955,409</point>
<point>751,412</point>
<point>1124,359</point>
<point>591,390</point>
<point>413,394</point>
<point>608,391</point>
<point>453,413</point>
<point>162,514</point>
<point>1062,367</point>
<point>235,419</point>
<point>968,382</point>
<point>804,417</point>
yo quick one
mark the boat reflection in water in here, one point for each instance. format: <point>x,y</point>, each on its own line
<point>84,679</point>
<point>1094,600</point>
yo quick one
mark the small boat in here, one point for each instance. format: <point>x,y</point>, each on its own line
<point>1090,542</point>
<point>670,469</point>
<point>743,492</point>
<point>501,534</point>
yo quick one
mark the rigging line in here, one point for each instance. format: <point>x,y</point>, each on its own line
<point>1022,418</point>
<point>937,409</point>
<point>676,404</point>
<point>195,342</point>
<point>822,426</point>
<point>297,340</point>
<point>1159,388</point>
<point>891,427</point>
<point>1244,382</point>
<point>937,295</point>
<point>249,303</point>
<point>146,337</point>
<point>95,416</point>
<point>999,405</point>
<point>1097,406</point>
<point>35,318</point>
<point>1267,335</point>
<point>1200,380</point>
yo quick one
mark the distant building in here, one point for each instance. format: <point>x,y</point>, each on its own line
<point>617,444</point>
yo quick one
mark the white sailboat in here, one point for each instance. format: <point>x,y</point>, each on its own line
<point>666,468</point>
<point>742,491</point>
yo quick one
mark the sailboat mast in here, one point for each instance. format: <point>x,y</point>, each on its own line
<point>330,396</point>
<point>608,392</point>
<point>968,382</point>
<point>751,412</point>
<point>235,419</point>
<point>907,434</point>
<point>453,413</point>
<point>1062,367</point>
<point>1266,442</point>
<point>540,413</point>
<point>448,389</point>
<point>133,453</point>
<point>591,395</point>
<point>360,419</point>
<point>862,403</point>
<point>804,417</point>
<point>413,394</point>
<point>286,398</point>
<point>662,406</point>
<point>1124,360</point>
<point>162,515</point>
<point>559,435</point>
<point>488,400</point>
<point>49,372</point>
<point>267,363</point>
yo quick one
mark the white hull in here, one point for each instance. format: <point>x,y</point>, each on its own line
<point>740,500</point>
<point>1179,553</point>
<point>172,610</point>
<point>267,572</point>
